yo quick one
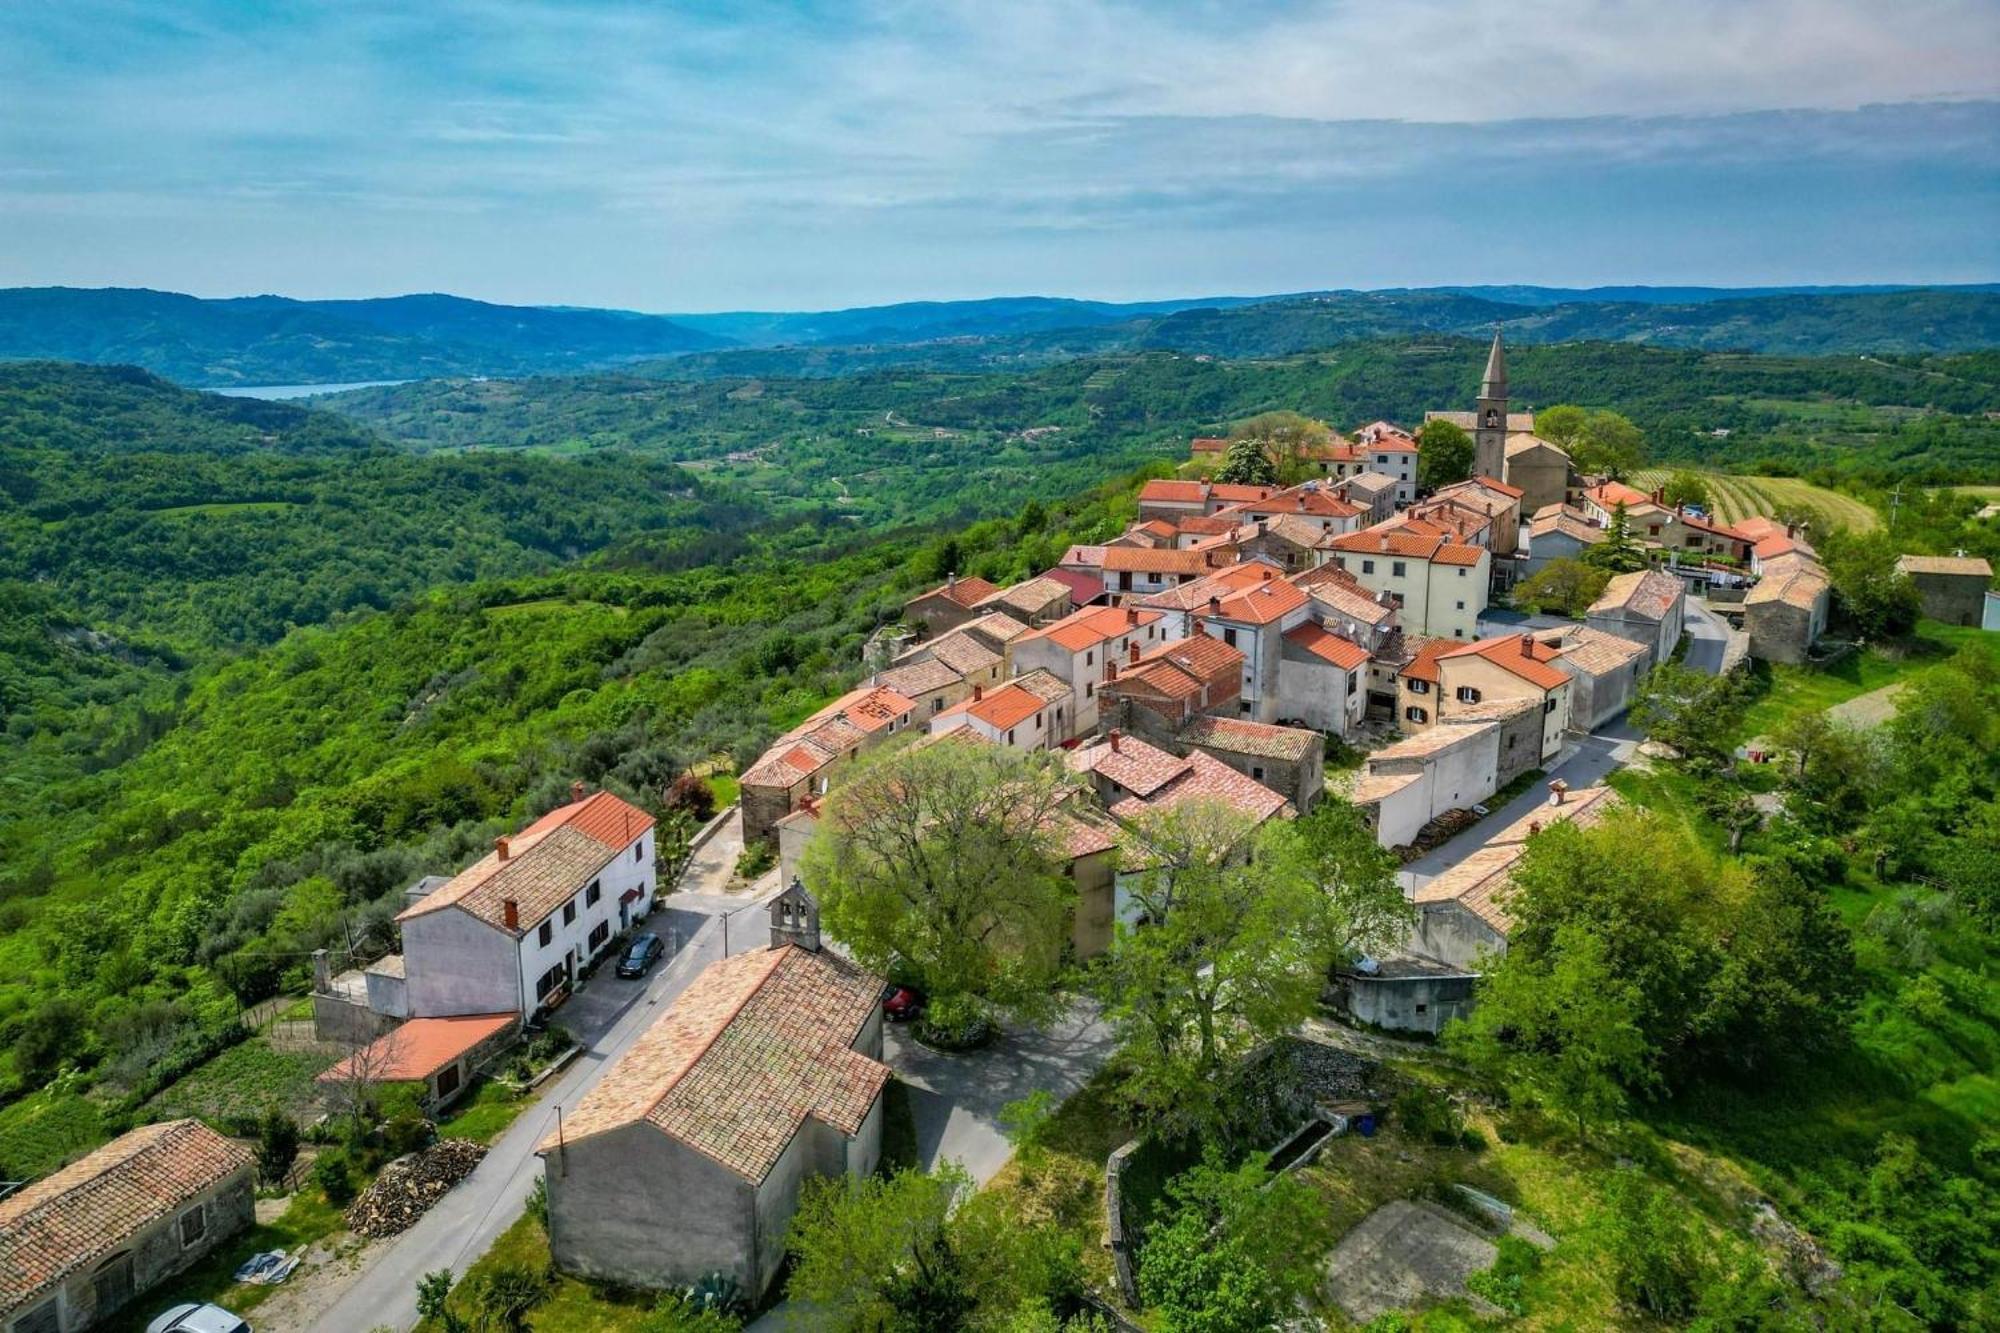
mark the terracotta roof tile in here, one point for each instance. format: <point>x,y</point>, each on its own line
<point>1241,736</point>
<point>420,1048</point>
<point>1643,592</point>
<point>968,592</point>
<point>1030,597</point>
<point>1523,655</point>
<point>1008,706</point>
<point>734,1067</point>
<point>1424,655</point>
<point>1208,779</point>
<point>1323,643</point>
<point>1092,625</point>
<point>1967,566</point>
<point>67,1221</point>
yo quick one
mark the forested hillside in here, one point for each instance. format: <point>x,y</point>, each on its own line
<point>910,433</point>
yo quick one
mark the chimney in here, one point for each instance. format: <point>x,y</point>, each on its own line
<point>1197,625</point>
<point>1527,645</point>
<point>1133,652</point>
<point>951,581</point>
<point>1214,605</point>
<point>1791,529</point>
<point>510,913</point>
<point>576,791</point>
<point>1114,736</point>
<point>501,846</point>
<point>1557,790</point>
<point>322,973</point>
<point>1131,615</point>
<point>978,692</point>
<point>1385,541</point>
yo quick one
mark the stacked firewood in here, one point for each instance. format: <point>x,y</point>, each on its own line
<point>409,1185</point>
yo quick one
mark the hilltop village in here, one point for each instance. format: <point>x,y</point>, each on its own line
<point>1244,652</point>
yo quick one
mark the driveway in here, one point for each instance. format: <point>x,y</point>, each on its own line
<point>1590,760</point>
<point>956,1099</point>
<point>607,1015</point>
<point>714,863</point>
<point>1707,638</point>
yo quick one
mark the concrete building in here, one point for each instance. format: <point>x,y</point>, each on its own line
<point>948,605</point>
<point>685,1160</point>
<point>1403,787</point>
<point>1786,612</point>
<point>83,1243</point>
<point>1031,712</point>
<point>509,930</point>
<point>1559,532</point>
<point>1289,760</point>
<point>1438,587</point>
<point>1322,679</point>
<point>1254,621</point>
<point>802,764</point>
<point>1604,671</point>
<point>1405,993</point>
<point>1646,606</point>
<point>1512,666</point>
<point>1953,587</point>
<point>1077,649</point>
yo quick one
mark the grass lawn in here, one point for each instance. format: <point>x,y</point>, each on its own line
<point>486,1114</point>
<point>308,1218</point>
<point>725,788</point>
<point>246,1079</point>
<point>45,1129</point>
<point>572,1305</point>
<point>1793,690</point>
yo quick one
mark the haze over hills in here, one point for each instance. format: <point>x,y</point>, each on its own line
<point>276,340</point>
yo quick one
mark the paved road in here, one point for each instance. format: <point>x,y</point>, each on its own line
<point>1707,637</point>
<point>1587,763</point>
<point>607,1015</point>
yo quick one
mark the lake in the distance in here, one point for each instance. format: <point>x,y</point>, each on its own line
<point>299,390</point>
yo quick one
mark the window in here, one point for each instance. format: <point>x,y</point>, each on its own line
<point>1549,704</point>
<point>593,893</point>
<point>548,932</point>
<point>1423,1008</point>
<point>1397,569</point>
<point>1256,773</point>
<point>448,1081</point>
<point>1367,566</point>
<point>194,1225</point>
<point>111,1287</point>
<point>1229,637</point>
<point>1353,682</point>
<point>1090,689</point>
<point>639,852</point>
<point>1415,714</point>
<point>599,934</point>
<point>569,912</point>
<point>937,705</point>
<point>1420,687</point>
<point>1652,529</point>
<point>45,1320</point>
<point>1010,737</point>
<point>1461,571</point>
<point>1461,604</point>
<point>1468,695</point>
<point>1090,659</point>
<point>549,980</point>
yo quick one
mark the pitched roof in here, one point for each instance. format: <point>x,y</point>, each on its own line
<point>1424,655</point>
<point>1595,652</point>
<point>1044,685</point>
<point>1778,544</point>
<point>994,626</point>
<point>1341,593</point>
<point>1759,526</point>
<point>1516,421</point>
<point>1242,736</point>
<point>913,680</point>
<point>1134,765</point>
<point>755,1045</point>
<point>419,1048</point>
<point>1582,807</point>
<point>1208,779</point>
<point>1194,595</point>
<point>1200,492</point>
<point>1368,483</point>
<point>1323,643</point>
<point>1082,587</point>
<point>1262,603</point>
<point>1449,733</point>
<point>1030,597</point>
<point>1643,592</point>
<point>1477,883</point>
<point>1609,494</point>
<point>1312,497</point>
<point>1967,566</point>
<point>546,863</point>
<point>1008,706</point>
<point>1801,586</point>
<point>1522,441</point>
<point>963,652</point>
<point>1155,560</point>
<point>967,592</point>
<point>67,1221</point>
<point>1567,522</point>
<point>1084,555</point>
<point>1522,655</point>
<point>1091,626</point>
<point>1381,540</point>
<point>1492,486</point>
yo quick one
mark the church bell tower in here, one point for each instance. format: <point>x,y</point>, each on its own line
<point>1489,435</point>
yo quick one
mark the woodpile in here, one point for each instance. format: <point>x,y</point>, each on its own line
<point>409,1185</point>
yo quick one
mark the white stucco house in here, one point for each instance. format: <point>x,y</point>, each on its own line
<point>506,932</point>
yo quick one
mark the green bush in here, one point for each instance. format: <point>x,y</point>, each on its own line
<point>1512,1267</point>
<point>335,1177</point>
<point>1427,1113</point>
<point>277,1145</point>
<point>955,1023</point>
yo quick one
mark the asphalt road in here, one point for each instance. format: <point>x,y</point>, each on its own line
<point>607,1015</point>
<point>1707,636</point>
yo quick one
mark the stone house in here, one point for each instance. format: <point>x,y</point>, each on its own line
<point>1646,606</point>
<point>1133,778</point>
<point>932,684</point>
<point>1500,503</point>
<point>685,1160</point>
<point>1077,648</point>
<point>1537,469</point>
<point>948,605</point>
<point>1322,679</point>
<point>997,632</point>
<point>1036,601</point>
<point>1160,690</point>
<point>802,763</point>
<point>1289,760</point>
<point>1953,587</point>
<point>1785,613</point>
<point>84,1242</point>
<point>969,655</point>
<point>508,931</point>
<point>1034,711</point>
<point>1604,671</point>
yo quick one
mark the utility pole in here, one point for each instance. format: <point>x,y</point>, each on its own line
<point>1895,499</point>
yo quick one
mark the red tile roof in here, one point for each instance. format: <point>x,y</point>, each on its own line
<point>1451,553</point>
<point>1008,706</point>
<point>1208,779</point>
<point>1423,662</point>
<point>1155,560</point>
<point>1262,603</point>
<point>1133,764</point>
<point>1387,541</point>
<point>419,1048</point>
<point>1091,626</point>
<point>66,1222</point>
<point>1521,654</point>
<point>1323,643</point>
<point>1083,588</point>
<point>966,592</point>
<point>735,1066</point>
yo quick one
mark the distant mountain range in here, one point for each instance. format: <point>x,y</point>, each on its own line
<point>263,340</point>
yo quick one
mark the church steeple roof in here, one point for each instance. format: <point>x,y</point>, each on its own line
<point>1495,382</point>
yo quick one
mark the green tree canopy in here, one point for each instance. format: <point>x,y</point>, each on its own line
<point>1684,488</point>
<point>863,1246</point>
<point>1562,587</point>
<point>1597,440</point>
<point>1248,463</point>
<point>1444,453</point>
<point>1619,552</point>
<point>941,857</point>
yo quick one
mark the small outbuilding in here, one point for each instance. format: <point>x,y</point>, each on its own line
<point>1953,587</point>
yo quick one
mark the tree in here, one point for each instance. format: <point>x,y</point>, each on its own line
<point>690,793</point>
<point>507,1293</point>
<point>1285,439</point>
<point>277,1145</point>
<point>1562,587</point>
<point>1596,440</point>
<point>1619,552</point>
<point>1878,599</point>
<point>1246,464</point>
<point>1334,849</point>
<point>1684,488</point>
<point>1236,1249</point>
<point>941,857</point>
<point>858,1242</point>
<point>433,1302</point>
<point>1693,712</point>
<point>1651,1243</point>
<point>1228,955</point>
<point>673,846</point>
<point>1830,771</point>
<point>1444,454</point>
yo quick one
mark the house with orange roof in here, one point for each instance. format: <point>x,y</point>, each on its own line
<point>1318,502</point>
<point>1289,760</point>
<point>1172,499</point>
<point>509,932</point>
<point>1077,649</point>
<point>1322,678</point>
<point>1030,712</point>
<point>1139,571</point>
<point>685,1159</point>
<point>1252,618</point>
<point>803,762</point>
<point>948,605</point>
<point>1439,586</point>
<point>1392,452</point>
<point>1511,666</point>
<point>1133,777</point>
<point>1158,692</point>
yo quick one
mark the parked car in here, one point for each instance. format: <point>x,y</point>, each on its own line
<point>640,955</point>
<point>198,1319</point>
<point>902,1004</point>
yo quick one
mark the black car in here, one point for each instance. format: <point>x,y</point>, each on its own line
<point>640,955</point>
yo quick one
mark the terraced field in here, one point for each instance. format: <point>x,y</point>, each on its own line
<point>1735,497</point>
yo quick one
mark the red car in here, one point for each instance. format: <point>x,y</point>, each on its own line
<point>903,1004</point>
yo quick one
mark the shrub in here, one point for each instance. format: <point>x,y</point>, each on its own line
<point>277,1145</point>
<point>757,858</point>
<point>954,1023</point>
<point>1502,1283</point>
<point>335,1177</point>
<point>1427,1113</point>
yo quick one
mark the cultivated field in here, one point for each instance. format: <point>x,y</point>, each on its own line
<point>1735,497</point>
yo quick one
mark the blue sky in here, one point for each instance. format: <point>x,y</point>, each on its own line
<point>752,155</point>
